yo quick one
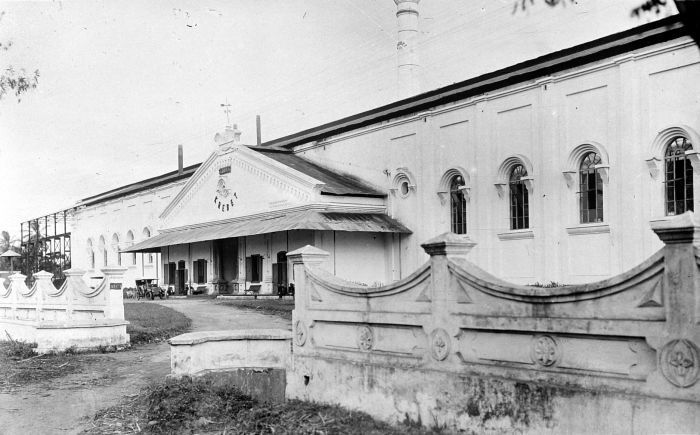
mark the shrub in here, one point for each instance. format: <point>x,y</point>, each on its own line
<point>180,403</point>
<point>19,350</point>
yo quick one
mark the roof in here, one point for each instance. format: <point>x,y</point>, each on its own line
<point>139,186</point>
<point>283,221</point>
<point>335,183</point>
<point>643,36</point>
<point>646,35</point>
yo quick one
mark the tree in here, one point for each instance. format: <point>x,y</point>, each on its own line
<point>688,11</point>
<point>6,243</point>
<point>15,81</point>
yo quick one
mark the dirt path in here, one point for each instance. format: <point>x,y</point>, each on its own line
<point>64,405</point>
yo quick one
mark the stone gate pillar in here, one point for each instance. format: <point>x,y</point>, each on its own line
<point>678,357</point>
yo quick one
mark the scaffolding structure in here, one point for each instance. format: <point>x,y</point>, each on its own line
<point>46,243</point>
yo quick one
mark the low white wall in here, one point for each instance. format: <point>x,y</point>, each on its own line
<point>74,315</point>
<point>198,352</point>
<point>454,347</point>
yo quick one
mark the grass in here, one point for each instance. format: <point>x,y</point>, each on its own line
<point>21,365</point>
<point>550,284</point>
<point>150,323</point>
<point>278,307</point>
<point>187,405</point>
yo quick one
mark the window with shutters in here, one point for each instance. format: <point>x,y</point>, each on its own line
<point>279,270</point>
<point>253,268</point>
<point>200,271</point>
<point>170,273</point>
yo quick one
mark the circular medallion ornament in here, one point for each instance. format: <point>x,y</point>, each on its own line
<point>679,363</point>
<point>300,333</point>
<point>544,350</point>
<point>440,344</point>
<point>365,338</point>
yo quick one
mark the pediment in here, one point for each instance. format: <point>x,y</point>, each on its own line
<point>238,182</point>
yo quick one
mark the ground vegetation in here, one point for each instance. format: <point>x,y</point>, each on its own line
<point>20,364</point>
<point>199,405</point>
<point>150,322</point>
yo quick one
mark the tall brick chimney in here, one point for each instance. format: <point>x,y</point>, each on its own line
<point>407,16</point>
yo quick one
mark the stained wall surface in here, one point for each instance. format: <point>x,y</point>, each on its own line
<point>619,106</point>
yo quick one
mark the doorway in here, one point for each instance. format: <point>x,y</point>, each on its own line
<point>181,281</point>
<point>280,279</point>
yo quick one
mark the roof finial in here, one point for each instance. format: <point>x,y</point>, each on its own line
<point>227,111</point>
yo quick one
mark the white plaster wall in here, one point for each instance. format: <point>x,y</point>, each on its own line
<point>360,257</point>
<point>621,103</point>
<point>134,213</point>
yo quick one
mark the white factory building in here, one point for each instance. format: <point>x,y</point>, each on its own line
<point>554,167</point>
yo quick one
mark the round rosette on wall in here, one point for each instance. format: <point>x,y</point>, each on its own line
<point>544,350</point>
<point>365,338</point>
<point>301,333</point>
<point>440,344</point>
<point>679,362</point>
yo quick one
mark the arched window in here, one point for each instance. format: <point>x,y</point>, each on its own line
<point>590,189</point>
<point>115,246</point>
<point>519,211</point>
<point>103,247</point>
<point>130,241</point>
<point>679,177</point>
<point>91,253</point>
<point>458,205</point>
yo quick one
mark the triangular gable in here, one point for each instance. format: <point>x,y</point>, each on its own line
<point>238,182</point>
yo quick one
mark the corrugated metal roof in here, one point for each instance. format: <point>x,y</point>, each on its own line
<point>140,186</point>
<point>296,220</point>
<point>336,184</point>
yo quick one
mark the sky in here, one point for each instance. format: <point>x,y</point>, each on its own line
<point>123,83</point>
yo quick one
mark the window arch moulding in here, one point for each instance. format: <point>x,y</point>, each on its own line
<point>661,141</point>
<point>506,168</point>
<point>446,180</point>
<point>403,183</point>
<point>116,242</point>
<point>574,161</point>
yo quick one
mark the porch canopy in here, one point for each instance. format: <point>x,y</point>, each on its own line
<point>250,226</point>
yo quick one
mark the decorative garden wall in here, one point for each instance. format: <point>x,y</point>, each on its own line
<point>452,346</point>
<point>74,315</point>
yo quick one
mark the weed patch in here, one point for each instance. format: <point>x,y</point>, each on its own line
<point>20,365</point>
<point>187,405</point>
<point>150,322</point>
<point>17,350</point>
